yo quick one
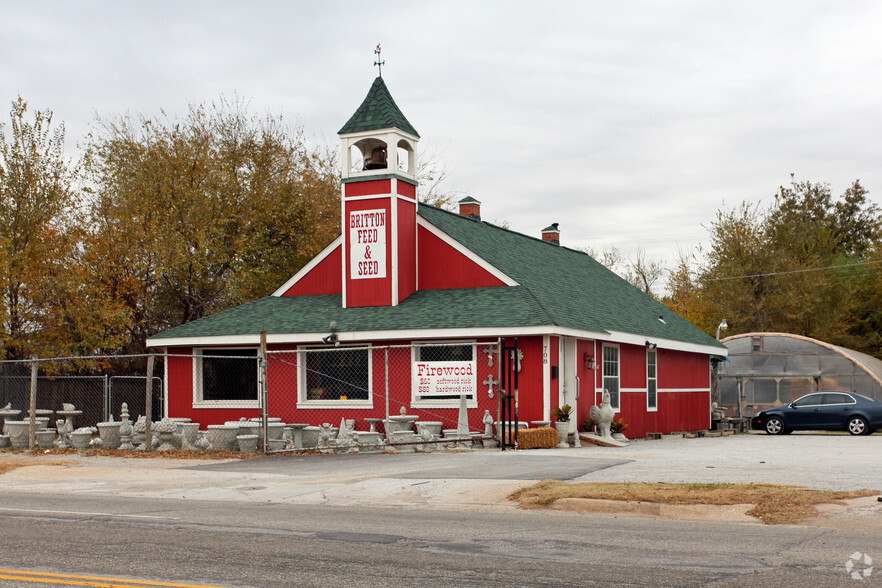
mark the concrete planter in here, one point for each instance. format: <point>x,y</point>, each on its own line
<point>433,427</point>
<point>563,431</point>
<point>109,433</point>
<point>80,439</point>
<point>223,437</point>
<point>46,438</point>
<point>247,443</point>
<point>18,432</point>
<point>310,437</point>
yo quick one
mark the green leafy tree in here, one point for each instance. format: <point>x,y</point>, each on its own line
<point>49,305</point>
<point>804,266</point>
<point>197,215</point>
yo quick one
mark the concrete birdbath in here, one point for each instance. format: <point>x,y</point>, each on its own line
<point>401,423</point>
<point>297,434</point>
<point>66,426</point>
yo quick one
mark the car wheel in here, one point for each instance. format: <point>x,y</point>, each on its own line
<point>774,426</point>
<point>858,426</point>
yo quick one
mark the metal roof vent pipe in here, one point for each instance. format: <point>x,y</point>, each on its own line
<point>470,207</point>
<point>551,234</point>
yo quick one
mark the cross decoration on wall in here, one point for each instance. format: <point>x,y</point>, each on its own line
<point>491,351</point>
<point>517,360</point>
<point>490,382</point>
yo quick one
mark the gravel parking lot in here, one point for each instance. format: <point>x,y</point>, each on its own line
<point>814,460</point>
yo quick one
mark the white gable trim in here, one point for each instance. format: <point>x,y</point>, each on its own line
<point>310,266</point>
<point>484,264</point>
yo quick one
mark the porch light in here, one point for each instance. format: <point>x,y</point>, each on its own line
<point>651,345</point>
<point>589,361</point>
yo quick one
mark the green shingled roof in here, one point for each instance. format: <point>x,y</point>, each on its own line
<point>573,289</point>
<point>558,287</point>
<point>426,309</point>
<point>377,111</point>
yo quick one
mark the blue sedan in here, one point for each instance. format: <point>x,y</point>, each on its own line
<point>825,411</point>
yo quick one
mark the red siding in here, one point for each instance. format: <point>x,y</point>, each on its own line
<point>679,369</point>
<point>677,411</point>
<point>367,188</point>
<point>407,279</point>
<point>442,267</point>
<point>529,379</point>
<point>632,366</point>
<point>586,380</point>
<point>324,278</point>
<point>407,190</point>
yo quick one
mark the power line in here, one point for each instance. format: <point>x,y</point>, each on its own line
<point>802,271</point>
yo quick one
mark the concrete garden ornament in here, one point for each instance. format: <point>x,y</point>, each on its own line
<point>603,415</point>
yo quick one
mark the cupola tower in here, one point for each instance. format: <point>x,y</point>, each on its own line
<point>379,176</point>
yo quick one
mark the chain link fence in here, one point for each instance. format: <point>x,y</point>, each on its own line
<point>410,397</point>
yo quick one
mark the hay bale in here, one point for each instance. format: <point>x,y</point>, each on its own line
<point>540,438</point>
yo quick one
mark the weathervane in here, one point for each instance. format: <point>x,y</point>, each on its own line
<point>379,63</point>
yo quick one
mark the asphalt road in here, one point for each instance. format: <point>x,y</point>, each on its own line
<point>207,543</point>
<point>428,520</point>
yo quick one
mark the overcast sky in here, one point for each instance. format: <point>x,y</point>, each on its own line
<point>629,123</point>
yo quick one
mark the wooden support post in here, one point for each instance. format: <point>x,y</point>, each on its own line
<point>264,394</point>
<point>32,429</point>
<point>148,430</point>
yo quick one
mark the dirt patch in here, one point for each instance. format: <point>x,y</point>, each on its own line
<point>772,504</point>
<point>7,465</point>
<point>99,452</point>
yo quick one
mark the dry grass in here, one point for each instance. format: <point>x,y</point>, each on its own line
<point>773,505</point>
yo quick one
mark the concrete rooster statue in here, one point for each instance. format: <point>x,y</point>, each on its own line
<point>603,415</point>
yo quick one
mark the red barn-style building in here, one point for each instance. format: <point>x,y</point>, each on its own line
<point>409,284</point>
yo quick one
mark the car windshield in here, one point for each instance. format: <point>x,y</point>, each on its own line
<point>862,397</point>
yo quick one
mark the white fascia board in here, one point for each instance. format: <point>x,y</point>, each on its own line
<point>371,336</point>
<point>309,266</point>
<point>631,339</point>
<point>480,261</point>
<point>410,334</point>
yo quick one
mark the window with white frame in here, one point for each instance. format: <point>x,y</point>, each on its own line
<point>651,380</point>
<point>335,374</point>
<point>225,377</point>
<point>437,353</point>
<point>611,374</point>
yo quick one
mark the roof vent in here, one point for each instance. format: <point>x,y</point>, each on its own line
<point>470,207</point>
<point>551,234</point>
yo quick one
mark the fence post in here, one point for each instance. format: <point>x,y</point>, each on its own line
<point>148,431</point>
<point>264,395</point>
<point>32,429</point>
<point>107,409</point>
<point>386,422</point>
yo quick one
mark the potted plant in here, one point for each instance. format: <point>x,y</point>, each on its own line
<point>562,424</point>
<point>617,428</point>
<point>588,425</point>
<point>562,413</point>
